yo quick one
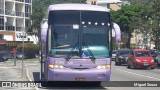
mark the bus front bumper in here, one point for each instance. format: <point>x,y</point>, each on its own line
<point>78,75</point>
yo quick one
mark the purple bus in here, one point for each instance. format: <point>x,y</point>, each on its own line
<point>76,43</point>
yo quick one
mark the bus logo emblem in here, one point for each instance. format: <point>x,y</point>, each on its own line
<point>80,65</point>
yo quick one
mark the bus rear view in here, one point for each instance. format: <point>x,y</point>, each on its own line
<point>76,44</point>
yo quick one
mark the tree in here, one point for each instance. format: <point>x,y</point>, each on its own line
<point>30,49</point>
<point>155,21</point>
<point>125,18</point>
<point>149,19</point>
<point>133,2</point>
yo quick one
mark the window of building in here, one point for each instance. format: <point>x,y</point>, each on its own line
<point>27,10</point>
<point>1,36</point>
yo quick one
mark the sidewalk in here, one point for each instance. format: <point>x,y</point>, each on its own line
<point>12,75</point>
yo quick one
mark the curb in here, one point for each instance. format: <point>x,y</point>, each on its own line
<point>29,78</point>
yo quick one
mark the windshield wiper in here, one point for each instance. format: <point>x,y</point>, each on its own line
<point>72,52</point>
<point>80,51</point>
<point>90,52</point>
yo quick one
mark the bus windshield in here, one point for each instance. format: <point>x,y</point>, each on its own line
<point>75,30</point>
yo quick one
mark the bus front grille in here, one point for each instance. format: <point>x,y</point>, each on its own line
<point>80,68</point>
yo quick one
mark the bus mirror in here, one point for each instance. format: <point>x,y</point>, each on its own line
<point>117,32</point>
<point>44,28</point>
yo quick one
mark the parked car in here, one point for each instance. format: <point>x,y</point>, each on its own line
<point>141,58</point>
<point>4,56</point>
<point>122,56</point>
<point>37,55</point>
<point>114,52</point>
<point>19,55</point>
<point>153,52</point>
<point>157,60</point>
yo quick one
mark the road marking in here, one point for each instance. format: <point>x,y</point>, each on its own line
<point>29,78</point>
<point>31,65</point>
<point>139,74</point>
<point>27,73</point>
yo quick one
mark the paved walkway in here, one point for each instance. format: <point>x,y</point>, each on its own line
<point>11,75</point>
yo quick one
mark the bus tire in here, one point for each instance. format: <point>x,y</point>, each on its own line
<point>97,84</point>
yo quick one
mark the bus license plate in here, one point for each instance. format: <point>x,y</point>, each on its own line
<point>80,79</point>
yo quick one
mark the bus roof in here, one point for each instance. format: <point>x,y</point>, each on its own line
<point>72,6</point>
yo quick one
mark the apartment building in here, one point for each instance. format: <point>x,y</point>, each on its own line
<point>14,19</point>
<point>111,4</point>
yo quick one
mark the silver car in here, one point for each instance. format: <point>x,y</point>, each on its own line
<point>114,52</point>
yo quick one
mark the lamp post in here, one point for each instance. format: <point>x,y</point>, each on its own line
<point>145,41</point>
<point>23,38</point>
<point>158,37</point>
<point>150,32</point>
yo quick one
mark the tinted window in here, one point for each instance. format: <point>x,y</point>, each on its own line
<point>124,52</point>
<point>114,52</point>
<point>142,54</point>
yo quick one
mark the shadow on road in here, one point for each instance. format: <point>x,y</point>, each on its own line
<point>36,76</point>
<point>72,85</point>
<point>65,84</point>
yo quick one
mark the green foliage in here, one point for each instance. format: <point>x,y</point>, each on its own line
<point>114,45</point>
<point>138,1</point>
<point>147,19</point>
<point>125,18</point>
<point>133,46</point>
<point>29,49</point>
<point>142,16</point>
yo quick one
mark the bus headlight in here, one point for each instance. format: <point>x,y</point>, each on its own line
<point>103,67</point>
<point>61,67</point>
<point>55,66</point>
<point>51,66</point>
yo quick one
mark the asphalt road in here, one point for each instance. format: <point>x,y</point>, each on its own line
<point>119,73</point>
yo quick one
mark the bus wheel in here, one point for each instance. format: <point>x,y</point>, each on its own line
<point>97,84</point>
<point>44,83</point>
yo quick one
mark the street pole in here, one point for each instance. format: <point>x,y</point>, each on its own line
<point>23,38</point>
<point>158,37</point>
<point>14,54</point>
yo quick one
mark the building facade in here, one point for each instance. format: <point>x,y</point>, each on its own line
<point>15,19</point>
<point>111,4</point>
